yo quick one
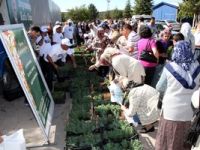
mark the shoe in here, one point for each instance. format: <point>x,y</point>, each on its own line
<point>145,130</point>
<point>26,103</point>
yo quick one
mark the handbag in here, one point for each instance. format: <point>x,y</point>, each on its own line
<point>147,55</point>
<point>194,131</point>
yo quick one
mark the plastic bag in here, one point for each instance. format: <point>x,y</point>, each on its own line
<point>15,141</point>
<point>116,93</point>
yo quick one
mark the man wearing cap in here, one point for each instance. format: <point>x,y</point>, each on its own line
<point>58,36</point>
<point>44,49</point>
<point>45,34</point>
<point>56,57</point>
<point>68,30</point>
<point>56,23</point>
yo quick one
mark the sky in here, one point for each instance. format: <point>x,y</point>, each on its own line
<point>101,5</point>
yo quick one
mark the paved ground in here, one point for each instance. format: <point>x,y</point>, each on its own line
<point>15,115</point>
<point>148,140</point>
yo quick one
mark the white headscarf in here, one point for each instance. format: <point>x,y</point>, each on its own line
<point>108,53</point>
<point>186,31</point>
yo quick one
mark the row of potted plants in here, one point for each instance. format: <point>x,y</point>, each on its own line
<point>93,122</point>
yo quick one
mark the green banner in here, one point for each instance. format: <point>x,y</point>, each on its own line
<point>20,12</point>
<point>27,70</point>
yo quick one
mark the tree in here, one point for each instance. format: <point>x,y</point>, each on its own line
<point>127,10</point>
<point>143,7</point>
<point>189,8</point>
<point>93,12</point>
<point>107,15</point>
<point>64,16</point>
<point>79,14</point>
<point>116,14</point>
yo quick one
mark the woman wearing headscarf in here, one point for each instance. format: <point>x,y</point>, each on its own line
<point>130,75</point>
<point>143,103</point>
<point>123,65</point>
<point>179,79</point>
<point>188,36</point>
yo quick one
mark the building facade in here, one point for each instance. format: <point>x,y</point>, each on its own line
<point>165,11</point>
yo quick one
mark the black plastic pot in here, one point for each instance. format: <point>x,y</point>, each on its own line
<point>70,133</point>
<point>86,147</point>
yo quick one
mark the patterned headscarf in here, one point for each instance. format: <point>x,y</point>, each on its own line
<point>183,55</point>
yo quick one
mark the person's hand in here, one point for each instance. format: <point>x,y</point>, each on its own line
<point>123,107</point>
<point>1,139</point>
<point>116,81</point>
<point>55,66</point>
<point>92,67</point>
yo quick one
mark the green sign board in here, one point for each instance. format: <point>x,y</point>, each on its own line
<point>20,12</point>
<point>25,64</point>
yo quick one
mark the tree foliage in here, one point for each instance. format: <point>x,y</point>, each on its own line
<point>127,10</point>
<point>78,13</point>
<point>64,16</point>
<point>93,12</point>
<point>189,8</point>
<point>116,14</point>
<point>143,7</point>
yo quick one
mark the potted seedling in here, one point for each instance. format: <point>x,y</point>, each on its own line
<point>136,145</point>
<point>61,86</point>
<point>59,97</point>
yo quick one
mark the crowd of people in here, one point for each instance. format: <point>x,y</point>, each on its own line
<point>166,77</point>
<point>151,68</point>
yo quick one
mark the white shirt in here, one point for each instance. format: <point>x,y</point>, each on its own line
<point>197,38</point>
<point>45,49</point>
<point>57,37</point>
<point>177,99</point>
<point>57,53</point>
<point>47,39</point>
<point>68,32</point>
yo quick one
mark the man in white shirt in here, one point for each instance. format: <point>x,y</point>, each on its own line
<point>45,34</point>
<point>44,49</point>
<point>57,36</point>
<point>68,31</point>
<point>55,57</point>
<point>59,52</point>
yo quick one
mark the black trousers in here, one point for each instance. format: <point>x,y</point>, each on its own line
<point>48,71</point>
<point>150,71</point>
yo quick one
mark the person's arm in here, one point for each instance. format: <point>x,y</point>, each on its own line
<point>51,62</point>
<point>154,48</point>
<point>1,139</point>
<point>162,83</point>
